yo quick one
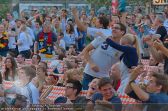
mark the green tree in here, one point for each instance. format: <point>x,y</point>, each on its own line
<point>100,2</point>
<point>5,7</point>
<point>4,1</point>
<point>138,2</point>
<point>108,2</point>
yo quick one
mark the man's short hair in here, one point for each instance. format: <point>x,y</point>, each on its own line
<point>22,55</point>
<point>38,57</point>
<point>29,71</point>
<point>21,20</point>
<point>45,64</point>
<point>64,10</point>
<point>76,85</point>
<point>104,81</point>
<point>122,27</point>
<point>46,24</point>
<point>161,79</point>
<point>61,34</point>
<point>103,20</point>
<point>74,46</point>
<point>10,13</point>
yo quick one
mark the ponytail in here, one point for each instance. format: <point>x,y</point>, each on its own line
<point>136,44</point>
<point>133,40</point>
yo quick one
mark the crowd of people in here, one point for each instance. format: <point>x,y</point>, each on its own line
<point>79,51</point>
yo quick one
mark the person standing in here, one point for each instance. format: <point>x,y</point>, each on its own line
<point>102,57</point>
<point>24,42</point>
<point>3,41</point>
<point>45,41</point>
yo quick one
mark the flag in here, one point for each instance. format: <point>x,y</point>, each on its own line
<point>114,4</point>
<point>122,5</point>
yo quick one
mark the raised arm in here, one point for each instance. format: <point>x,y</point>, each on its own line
<point>132,86</point>
<point>117,46</point>
<point>80,25</point>
<point>161,47</point>
<point>142,95</point>
<point>157,55</point>
<point>123,18</point>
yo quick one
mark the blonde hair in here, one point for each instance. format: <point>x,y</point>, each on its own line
<point>69,73</point>
<point>29,71</point>
<point>132,40</point>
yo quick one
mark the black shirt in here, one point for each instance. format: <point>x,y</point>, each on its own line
<point>162,31</point>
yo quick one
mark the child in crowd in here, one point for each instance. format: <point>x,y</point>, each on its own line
<point>129,58</point>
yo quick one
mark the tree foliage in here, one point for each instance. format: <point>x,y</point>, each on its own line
<point>5,7</point>
<point>108,2</point>
<point>4,1</point>
<point>100,2</point>
<point>138,2</point>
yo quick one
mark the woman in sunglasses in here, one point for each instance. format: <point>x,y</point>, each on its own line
<point>93,88</point>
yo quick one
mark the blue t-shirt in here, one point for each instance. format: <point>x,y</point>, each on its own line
<point>156,101</point>
<point>60,99</point>
<point>79,103</point>
<point>115,100</point>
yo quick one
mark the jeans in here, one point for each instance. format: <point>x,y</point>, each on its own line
<point>86,80</point>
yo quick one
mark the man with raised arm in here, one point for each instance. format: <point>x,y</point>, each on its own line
<point>99,56</point>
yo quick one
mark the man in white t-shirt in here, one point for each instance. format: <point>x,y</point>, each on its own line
<point>98,54</point>
<point>61,41</point>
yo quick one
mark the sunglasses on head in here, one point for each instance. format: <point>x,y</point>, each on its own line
<point>69,87</point>
<point>70,47</point>
<point>117,28</point>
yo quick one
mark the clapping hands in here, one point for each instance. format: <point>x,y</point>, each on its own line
<point>157,44</point>
<point>135,72</point>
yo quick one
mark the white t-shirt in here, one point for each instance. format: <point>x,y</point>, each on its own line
<point>69,39</point>
<point>56,64</point>
<point>104,56</point>
<point>75,31</point>
<point>12,23</point>
<point>62,43</point>
<point>124,71</point>
<point>31,33</point>
<point>30,91</point>
<point>11,43</point>
<point>25,42</point>
<point>93,31</point>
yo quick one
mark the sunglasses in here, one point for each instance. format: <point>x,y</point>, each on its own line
<point>117,28</point>
<point>68,87</point>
